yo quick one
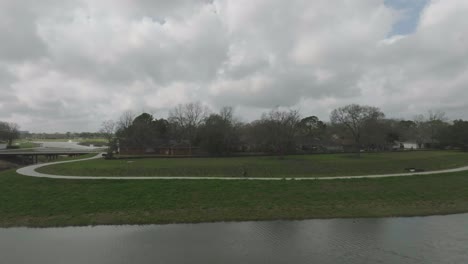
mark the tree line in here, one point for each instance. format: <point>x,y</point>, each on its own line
<point>351,128</point>
<point>9,132</point>
<point>64,135</point>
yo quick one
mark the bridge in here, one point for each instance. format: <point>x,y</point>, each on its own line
<point>32,156</point>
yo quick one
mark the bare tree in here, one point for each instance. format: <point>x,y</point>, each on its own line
<point>123,124</point>
<point>9,132</point>
<point>4,131</point>
<point>436,121</point>
<point>187,119</point>
<point>427,128</point>
<point>125,120</point>
<point>280,129</point>
<point>227,113</point>
<point>420,130</point>
<point>354,118</point>
<point>108,128</point>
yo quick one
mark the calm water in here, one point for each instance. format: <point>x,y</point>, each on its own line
<point>63,145</point>
<point>437,239</point>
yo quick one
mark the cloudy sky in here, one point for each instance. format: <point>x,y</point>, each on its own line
<point>67,65</point>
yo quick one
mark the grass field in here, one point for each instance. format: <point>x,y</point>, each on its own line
<point>27,201</point>
<point>290,166</point>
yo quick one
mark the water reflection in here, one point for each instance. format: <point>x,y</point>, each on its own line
<point>437,239</point>
<point>62,145</point>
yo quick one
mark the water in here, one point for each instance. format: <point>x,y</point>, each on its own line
<point>435,239</point>
<point>62,145</point>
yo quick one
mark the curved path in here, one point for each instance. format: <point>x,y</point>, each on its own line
<point>31,171</point>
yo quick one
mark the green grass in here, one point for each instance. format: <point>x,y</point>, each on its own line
<point>290,166</point>
<point>28,201</point>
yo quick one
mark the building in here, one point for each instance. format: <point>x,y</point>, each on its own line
<point>407,145</point>
<point>171,149</point>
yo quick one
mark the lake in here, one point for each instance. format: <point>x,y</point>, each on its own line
<point>434,239</point>
<point>62,145</point>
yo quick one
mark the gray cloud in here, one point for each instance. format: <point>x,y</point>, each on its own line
<point>19,38</point>
<point>68,65</point>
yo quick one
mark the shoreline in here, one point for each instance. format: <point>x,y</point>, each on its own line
<point>235,221</point>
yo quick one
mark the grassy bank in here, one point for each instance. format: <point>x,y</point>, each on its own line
<point>26,201</point>
<point>290,166</point>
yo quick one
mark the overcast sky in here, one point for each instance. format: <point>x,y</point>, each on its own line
<point>67,65</point>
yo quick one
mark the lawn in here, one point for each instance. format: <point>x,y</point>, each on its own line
<point>290,166</point>
<point>28,201</point>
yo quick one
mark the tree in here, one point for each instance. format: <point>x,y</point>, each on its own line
<point>186,120</point>
<point>311,130</point>
<point>455,135</point>
<point>421,132</point>
<point>278,130</point>
<point>213,135</point>
<point>378,135</point>
<point>143,132</point>
<point>219,133</point>
<point>406,130</point>
<point>125,120</point>
<point>435,123</point>
<point>355,118</point>
<point>4,131</point>
<point>9,132</point>
<point>107,130</point>
<point>123,125</point>
<point>426,129</point>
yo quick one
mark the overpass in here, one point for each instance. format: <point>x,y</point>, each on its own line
<point>49,154</point>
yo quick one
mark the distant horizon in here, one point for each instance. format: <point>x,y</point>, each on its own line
<point>326,120</point>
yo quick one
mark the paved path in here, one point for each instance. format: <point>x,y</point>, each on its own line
<point>31,171</point>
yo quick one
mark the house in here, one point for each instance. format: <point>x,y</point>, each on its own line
<point>333,144</point>
<point>170,149</point>
<point>407,145</point>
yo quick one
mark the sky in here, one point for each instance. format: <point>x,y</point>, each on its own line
<point>67,65</point>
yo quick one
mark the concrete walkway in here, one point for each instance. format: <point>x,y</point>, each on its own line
<point>31,171</point>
